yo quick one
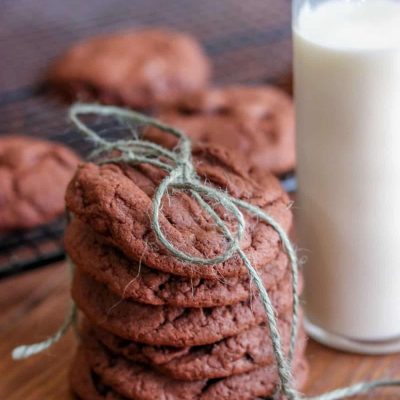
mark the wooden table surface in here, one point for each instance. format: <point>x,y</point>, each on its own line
<point>32,306</point>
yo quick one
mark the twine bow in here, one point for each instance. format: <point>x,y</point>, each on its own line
<point>181,176</point>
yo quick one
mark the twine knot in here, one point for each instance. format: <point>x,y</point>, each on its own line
<point>185,172</point>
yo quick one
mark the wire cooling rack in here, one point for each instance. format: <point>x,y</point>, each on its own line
<point>248,42</point>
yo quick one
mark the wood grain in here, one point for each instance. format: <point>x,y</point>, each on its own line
<point>33,306</point>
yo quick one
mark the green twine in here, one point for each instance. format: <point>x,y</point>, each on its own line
<point>181,176</point>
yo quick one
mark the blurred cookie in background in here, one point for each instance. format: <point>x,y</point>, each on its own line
<point>34,174</point>
<point>141,69</point>
<point>256,121</point>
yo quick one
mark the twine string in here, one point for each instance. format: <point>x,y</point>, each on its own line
<point>181,176</point>
<point>26,351</point>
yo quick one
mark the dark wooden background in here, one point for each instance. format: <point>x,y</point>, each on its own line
<point>248,41</point>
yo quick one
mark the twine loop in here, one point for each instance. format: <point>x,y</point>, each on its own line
<point>181,176</point>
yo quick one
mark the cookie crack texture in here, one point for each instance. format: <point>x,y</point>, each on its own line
<point>92,254</point>
<point>166,325</point>
<point>136,381</point>
<point>116,201</point>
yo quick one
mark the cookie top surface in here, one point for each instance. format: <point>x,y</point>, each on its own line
<point>116,201</point>
<point>172,326</point>
<point>100,375</point>
<point>256,121</point>
<point>142,68</point>
<point>130,279</point>
<point>34,175</point>
<point>245,352</point>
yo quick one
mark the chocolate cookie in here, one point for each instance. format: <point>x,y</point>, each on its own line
<point>256,121</point>
<point>140,69</point>
<point>116,201</point>
<point>87,385</point>
<point>245,352</point>
<point>131,280</point>
<point>34,174</point>
<point>98,374</point>
<point>172,326</point>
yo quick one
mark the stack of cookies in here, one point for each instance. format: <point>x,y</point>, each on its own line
<point>155,327</point>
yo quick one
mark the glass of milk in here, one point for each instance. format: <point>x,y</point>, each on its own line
<point>347,90</point>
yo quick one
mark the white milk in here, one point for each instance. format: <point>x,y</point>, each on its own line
<point>347,84</point>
